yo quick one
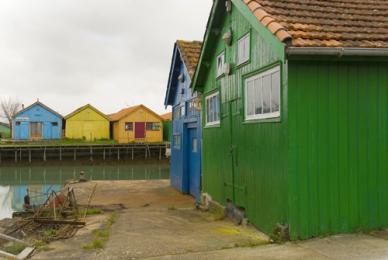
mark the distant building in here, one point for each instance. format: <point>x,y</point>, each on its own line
<point>37,122</point>
<point>137,124</point>
<point>5,131</point>
<point>167,126</point>
<point>87,123</point>
<point>186,120</point>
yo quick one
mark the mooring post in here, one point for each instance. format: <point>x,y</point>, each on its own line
<point>75,154</point>
<point>20,155</point>
<point>103,154</point>
<point>145,152</point>
<point>91,153</point>
<point>60,153</point>
<point>132,153</point>
<point>44,154</point>
<point>160,153</point>
<point>29,155</point>
<point>118,153</point>
<point>16,156</point>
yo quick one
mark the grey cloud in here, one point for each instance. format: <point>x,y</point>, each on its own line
<point>109,53</point>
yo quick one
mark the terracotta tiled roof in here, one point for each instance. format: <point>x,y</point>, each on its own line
<point>122,113</point>
<point>167,116</point>
<point>126,111</point>
<point>325,23</point>
<point>190,51</point>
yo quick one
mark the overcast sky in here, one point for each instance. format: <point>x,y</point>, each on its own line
<point>110,53</point>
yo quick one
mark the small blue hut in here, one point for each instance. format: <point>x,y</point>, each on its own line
<point>37,122</point>
<point>186,119</point>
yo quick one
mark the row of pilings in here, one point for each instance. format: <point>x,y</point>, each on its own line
<point>30,154</point>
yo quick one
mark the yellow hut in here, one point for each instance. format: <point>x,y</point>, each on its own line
<point>137,124</point>
<point>87,123</point>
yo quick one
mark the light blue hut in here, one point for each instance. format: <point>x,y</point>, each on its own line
<point>37,122</point>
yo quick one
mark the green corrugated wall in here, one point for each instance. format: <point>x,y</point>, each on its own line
<point>256,151</point>
<point>338,132</point>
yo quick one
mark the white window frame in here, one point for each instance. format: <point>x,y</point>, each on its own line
<point>261,76</point>
<point>206,109</point>
<point>220,71</point>
<point>246,39</point>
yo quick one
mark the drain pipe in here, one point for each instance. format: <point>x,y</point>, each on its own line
<point>339,52</point>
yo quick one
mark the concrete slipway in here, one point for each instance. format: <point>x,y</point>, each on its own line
<point>156,222</point>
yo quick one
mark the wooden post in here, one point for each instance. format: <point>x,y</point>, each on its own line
<point>20,155</point>
<point>16,156</point>
<point>44,154</point>
<point>160,153</point>
<point>132,153</point>
<point>29,155</point>
<point>75,154</point>
<point>60,153</point>
<point>145,152</point>
<point>118,153</point>
<point>103,154</point>
<point>0,156</point>
<point>91,153</point>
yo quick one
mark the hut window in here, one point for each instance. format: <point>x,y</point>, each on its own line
<point>220,64</point>
<point>129,126</point>
<point>177,142</point>
<point>179,112</point>
<point>243,49</point>
<point>262,95</point>
<point>212,109</point>
<point>152,126</point>
<point>17,122</point>
<point>54,123</point>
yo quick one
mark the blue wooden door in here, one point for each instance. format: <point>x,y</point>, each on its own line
<point>194,163</point>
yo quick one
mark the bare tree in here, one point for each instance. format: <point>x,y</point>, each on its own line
<point>9,108</point>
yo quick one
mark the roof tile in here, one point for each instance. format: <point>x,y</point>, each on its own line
<point>190,51</point>
<point>325,23</point>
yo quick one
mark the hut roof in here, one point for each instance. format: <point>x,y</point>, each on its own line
<point>167,116</point>
<point>190,52</point>
<point>38,103</point>
<point>127,111</point>
<point>322,23</point>
<point>78,110</point>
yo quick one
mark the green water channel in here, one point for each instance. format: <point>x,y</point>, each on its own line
<point>41,180</point>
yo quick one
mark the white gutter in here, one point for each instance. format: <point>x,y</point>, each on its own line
<point>339,52</point>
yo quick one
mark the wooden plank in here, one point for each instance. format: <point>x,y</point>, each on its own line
<point>26,253</point>
<point>64,222</point>
<point>8,238</point>
<point>7,255</point>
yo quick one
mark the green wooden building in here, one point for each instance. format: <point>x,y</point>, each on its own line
<point>5,131</point>
<point>295,113</point>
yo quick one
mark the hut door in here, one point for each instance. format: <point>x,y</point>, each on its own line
<point>139,130</point>
<point>36,130</point>
<point>238,179</point>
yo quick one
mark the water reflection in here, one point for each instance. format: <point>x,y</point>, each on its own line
<point>14,181</point>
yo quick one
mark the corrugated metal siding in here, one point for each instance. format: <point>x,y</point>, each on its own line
<point>259,149</point>
<point>338,147</point>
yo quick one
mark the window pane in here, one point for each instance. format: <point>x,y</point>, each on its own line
<point>258,97</point>
<point>250,98</point>
<point>275,92</point>
<point>194,146</point>
<point>267,94</point>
